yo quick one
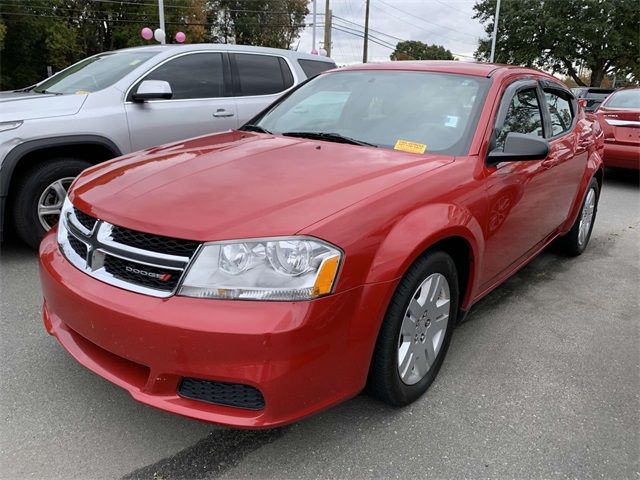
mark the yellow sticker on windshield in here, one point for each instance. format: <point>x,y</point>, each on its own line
<point>135,62</point>
<point>410,147</point>
<point>82,92</point>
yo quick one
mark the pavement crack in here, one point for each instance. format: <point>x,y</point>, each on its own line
<point>220,451</point>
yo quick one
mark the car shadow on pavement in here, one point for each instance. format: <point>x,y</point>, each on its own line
<point>622,177</point>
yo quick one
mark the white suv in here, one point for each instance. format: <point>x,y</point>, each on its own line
<point>118,102</point>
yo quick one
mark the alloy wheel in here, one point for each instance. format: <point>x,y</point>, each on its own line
<point>423,328</point>
<point>586,217</point>
<point>51,200</point>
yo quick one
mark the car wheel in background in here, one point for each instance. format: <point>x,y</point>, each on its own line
<point>416,330</point>
<point>39,196</point>
<point>575,241</point>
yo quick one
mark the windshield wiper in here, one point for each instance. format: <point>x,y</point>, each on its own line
<point>254,128</point>
<point>330,137</point>
<point>47,92</point>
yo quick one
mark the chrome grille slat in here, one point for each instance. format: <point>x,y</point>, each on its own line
<point>99,255</point>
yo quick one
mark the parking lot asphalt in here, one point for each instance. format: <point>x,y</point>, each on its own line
<point>542,381</point>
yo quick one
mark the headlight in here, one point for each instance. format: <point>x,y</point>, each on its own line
<point>62,222</point>
<point>4,126</point>
<point>289,268</point>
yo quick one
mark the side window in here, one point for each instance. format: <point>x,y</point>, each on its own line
<point>198,75</point>
<point>311,68</point>
<point>262,74</point>
<point>523,116</point>
<point>560,111</point>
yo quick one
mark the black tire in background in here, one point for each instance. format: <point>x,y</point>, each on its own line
<point>385,380</point>
<point>30,187</point>
<point>572,243</point>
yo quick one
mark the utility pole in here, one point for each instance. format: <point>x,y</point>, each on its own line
<point>365,49</point>
<point>161,15</point>
<point>313,34</point>
<point>495,31</point>
<point>327,28</point>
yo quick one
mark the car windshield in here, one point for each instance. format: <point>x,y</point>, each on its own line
<point>625,99</point>
<point>431,112</point>
<point>94,73</point>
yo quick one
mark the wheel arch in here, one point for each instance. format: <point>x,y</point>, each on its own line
<point>594,169</point>
<point>93,148</point>
<point>450,228</point>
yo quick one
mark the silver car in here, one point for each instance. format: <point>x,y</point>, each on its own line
<point>126,100</point>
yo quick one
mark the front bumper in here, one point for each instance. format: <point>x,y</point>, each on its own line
<point>302,356</point>
<point>621,156</point>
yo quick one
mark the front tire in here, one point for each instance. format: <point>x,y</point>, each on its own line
<point>575,241</point>
<point>416,331</point>
<point>39,196</point>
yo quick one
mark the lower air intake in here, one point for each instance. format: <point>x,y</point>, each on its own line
<point>220,393</point>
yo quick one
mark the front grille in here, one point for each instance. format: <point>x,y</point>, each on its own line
<point>220,393</point>
<point>87,221</point>
<point>136,261</point>
<point>154,243</point>
<point>143,275</point>
<point>79,247</point>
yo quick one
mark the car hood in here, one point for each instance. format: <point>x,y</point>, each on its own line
<point>31,105</point>
<point>240,184</point>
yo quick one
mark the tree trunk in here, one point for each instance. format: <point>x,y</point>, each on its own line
<point>597,75</point>
<point>572,72</point>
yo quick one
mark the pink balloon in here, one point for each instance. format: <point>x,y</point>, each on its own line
<point>180,37</point>
<point>146,33</point>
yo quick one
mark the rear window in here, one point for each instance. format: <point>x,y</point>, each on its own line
<point>311,68</point>
<point>261,74</point>
<point>624,99</point>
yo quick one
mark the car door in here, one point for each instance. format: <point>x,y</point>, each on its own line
<point>520,200</point>
<point>568,143</point>
<point>200,102</point>
<point>258,80</point>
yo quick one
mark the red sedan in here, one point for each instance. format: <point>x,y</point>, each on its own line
<point>254,277</point>
<point>619,117</point>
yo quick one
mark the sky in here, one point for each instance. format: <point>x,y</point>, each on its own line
<point>442,22</point>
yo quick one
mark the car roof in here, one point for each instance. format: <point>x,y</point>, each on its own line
<point>478,69</point>
<point>175,48</point>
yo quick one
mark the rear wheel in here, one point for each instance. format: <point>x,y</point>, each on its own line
<point>416,330</point>
<point>575,241</point>
<point>39,196</point>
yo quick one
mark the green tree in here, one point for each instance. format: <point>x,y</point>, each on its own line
<point>565,36</point>
<point>415,50</point>
<point>270,23</point>
<point>35,34</point>
<point>3,33</point>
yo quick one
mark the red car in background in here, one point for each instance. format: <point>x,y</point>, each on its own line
<point>253,277</point>
<point>619,118</point>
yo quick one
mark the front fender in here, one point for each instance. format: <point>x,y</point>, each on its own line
<point>418,231</point>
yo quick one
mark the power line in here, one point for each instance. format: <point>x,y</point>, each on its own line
<point>423,20</point>
<point>140,22</point>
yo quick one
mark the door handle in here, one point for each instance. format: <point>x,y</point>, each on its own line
<point>221,112</point>
<point>550,162</point>
<point>584,143</point>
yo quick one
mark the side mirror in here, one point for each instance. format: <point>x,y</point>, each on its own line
<point>152,90</point>
<point>519,147</point>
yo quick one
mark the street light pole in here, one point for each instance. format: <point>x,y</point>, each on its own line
<point>161,15</point>
<point>495,32</point>
<point>313,35</point>
<point>365,48</point>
